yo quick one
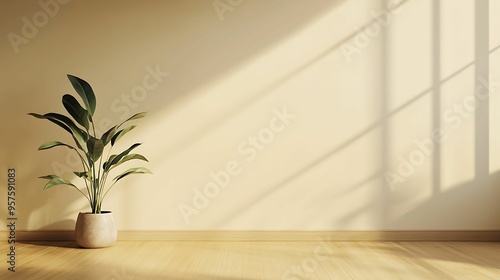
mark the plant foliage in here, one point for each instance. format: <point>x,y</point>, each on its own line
<point>94,152</point>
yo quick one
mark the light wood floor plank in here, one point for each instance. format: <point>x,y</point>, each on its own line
<point>271,261</point>
<point>238,258</point>
<point>158,260</point>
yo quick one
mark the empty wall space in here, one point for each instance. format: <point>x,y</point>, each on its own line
<point>264,115</point>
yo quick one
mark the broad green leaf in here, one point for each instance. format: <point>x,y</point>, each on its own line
<point>95,148</point>
<point>52,144</point>
<point>65,127</point>
<point>127,158</point>
<point>136,116</point>
<point>106,165</point>
<point>137,170</point>
<point>133,117</point>
<point>81,174</point>
<point>64,119</point>
<point>120,134</point>
<point>55,180</point>
<point>74,108</point>
<point>78,134</point>
<point>106,137</point>
<point>85,91</point>
<point>114,159</point>
<point>36,115</point>
<point>112,132</point>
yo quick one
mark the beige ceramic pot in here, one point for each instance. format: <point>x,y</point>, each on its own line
<point>95,230</point>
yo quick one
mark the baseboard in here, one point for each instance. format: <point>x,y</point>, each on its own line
<point>482,236</point>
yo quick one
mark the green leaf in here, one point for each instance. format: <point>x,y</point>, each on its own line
<point>114,159</point>
<point>106,137</point>
<point>111,158</point>
<point>95,148</point>
<point>56,180</point>
<point>136,116</point>
<point>38,116</point>
<point>137,170</point>
<point>81,174</point>
<point>112,132</point>
<point>52,144</point>
<point>74,108</point>
<point>120,134</point>
<point>133,117</point>
<point>85,91</point>
<point>107,164</point>
<point>127,158</point>
<point>78,134</point>
<point>67,124</point>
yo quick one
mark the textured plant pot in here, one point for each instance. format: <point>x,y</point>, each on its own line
<point>95,230</point>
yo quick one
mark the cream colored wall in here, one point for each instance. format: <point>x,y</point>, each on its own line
<point>361,82</point>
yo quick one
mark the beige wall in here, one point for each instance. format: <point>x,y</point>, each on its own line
<point>361,91</point>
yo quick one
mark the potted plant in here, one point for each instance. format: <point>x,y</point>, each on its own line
<point>97,228</point>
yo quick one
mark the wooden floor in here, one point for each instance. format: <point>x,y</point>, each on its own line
<point>149,260</point>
